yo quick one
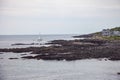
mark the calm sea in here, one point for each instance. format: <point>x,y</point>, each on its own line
<point>24,69</point>
<point>7,40</point>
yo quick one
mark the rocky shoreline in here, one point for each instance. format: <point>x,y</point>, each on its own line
<point>72,50</point>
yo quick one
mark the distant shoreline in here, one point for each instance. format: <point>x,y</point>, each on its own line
<point>94,45</point>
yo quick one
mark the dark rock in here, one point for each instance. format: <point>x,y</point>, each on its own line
<point>118,73</point>
<point>24,44</point>
<point>73,50</point>
<point>23,54</point>
<point>19,44</point>
<point>28,57</point>
<point>18,50</point>
<point>115,58</point>
<point>1,53</point>
<point>13,58</point>
<point>84,36</point>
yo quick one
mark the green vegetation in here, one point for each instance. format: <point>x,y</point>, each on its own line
<point>112,29</point>
<point>111,37</point>
<point>116,29</point>
<point>99,35</point>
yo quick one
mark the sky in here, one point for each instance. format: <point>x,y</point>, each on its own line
<point>57,16</point>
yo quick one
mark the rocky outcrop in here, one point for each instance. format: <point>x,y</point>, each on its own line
<point>24,44</point>
<point>20,50</point>
<point>84,36</point>
<point>13,58</point>
<point>1,53</point>
<point>118,73</point>
<point>73,50</point>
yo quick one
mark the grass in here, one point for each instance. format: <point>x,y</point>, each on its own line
<point>111,37</point>
<point>116,29</point>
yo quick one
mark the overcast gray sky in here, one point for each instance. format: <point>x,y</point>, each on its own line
<point>58,16</point>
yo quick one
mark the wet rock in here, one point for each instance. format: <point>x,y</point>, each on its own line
<point>84,36</point>
<point>115,58</point>
<point>23,54</point>
<point>118,73</point>
<point>1,53</point>
<point>73,50</point>
<point>28,57</point>
<point>19,44</point>
<point>13,58</point>
<point>18,50</point>
<point>24,44</point>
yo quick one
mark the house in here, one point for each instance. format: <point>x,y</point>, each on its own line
<point>108,32</point>
<point>116,33</point>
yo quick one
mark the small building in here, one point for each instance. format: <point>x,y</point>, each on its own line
<point>116,33</point>
<point>108,32</point>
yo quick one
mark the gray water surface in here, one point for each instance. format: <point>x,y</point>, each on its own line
<point>20,69</point>
<point>6,41</point>
<point>24,69</point>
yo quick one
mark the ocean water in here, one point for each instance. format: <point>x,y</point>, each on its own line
<point>25,69</point>
<point>7,40</point>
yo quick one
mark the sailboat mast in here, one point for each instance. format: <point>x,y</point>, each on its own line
<point>39,39</point>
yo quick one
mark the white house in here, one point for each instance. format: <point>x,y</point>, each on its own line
<point>108,32</point>
<point>116,33</point>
